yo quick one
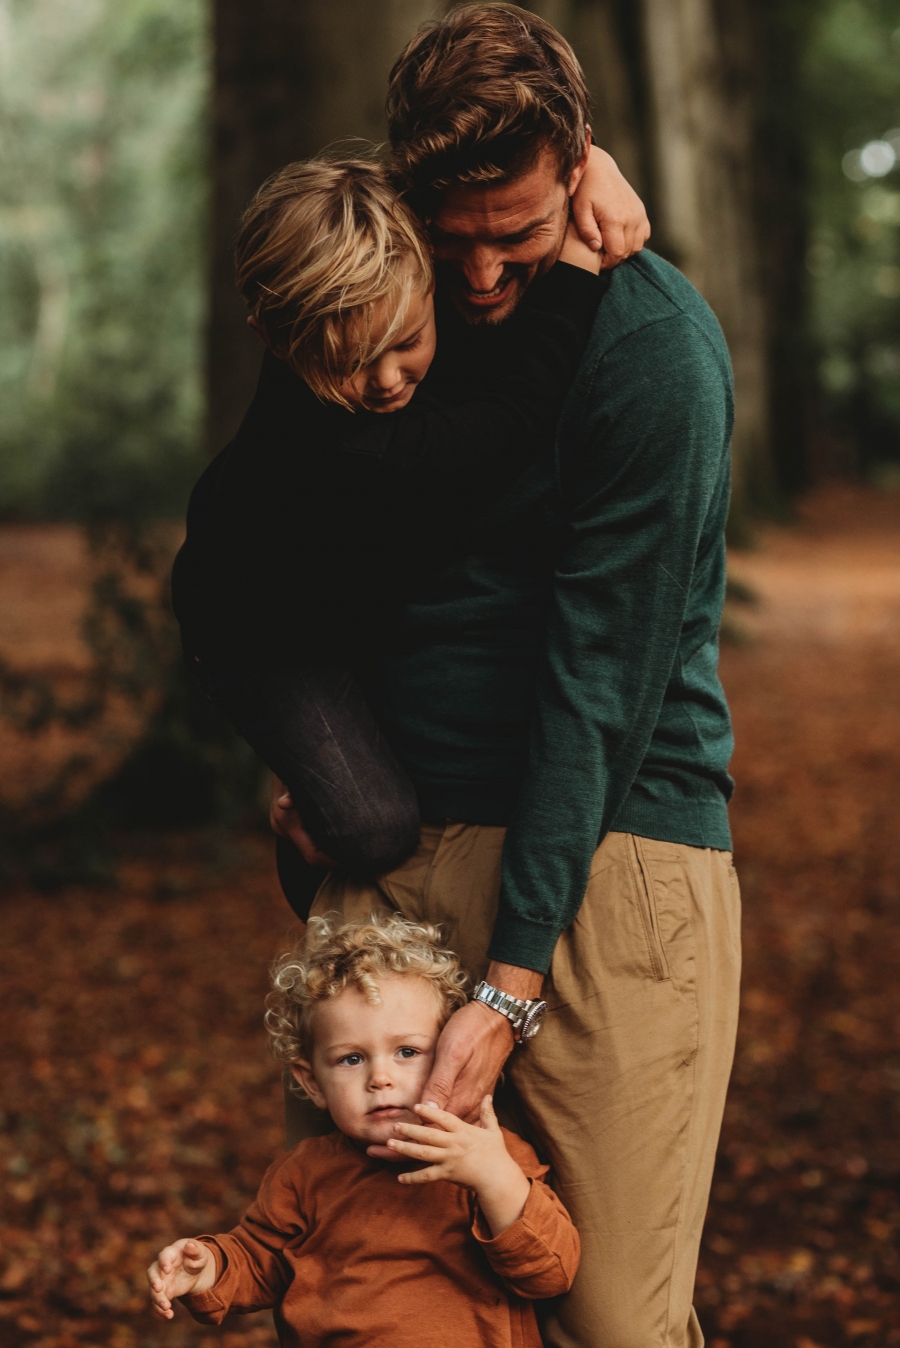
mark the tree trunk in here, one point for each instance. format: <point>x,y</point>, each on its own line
<point>782,32</point>
<point>593,28</point>
<point>702,118</point>
<point>292,76</point>
<point>673,88</point>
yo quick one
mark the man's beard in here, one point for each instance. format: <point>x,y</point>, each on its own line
<point>454,284</point>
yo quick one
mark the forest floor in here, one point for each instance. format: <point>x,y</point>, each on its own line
<point>140,1104</point>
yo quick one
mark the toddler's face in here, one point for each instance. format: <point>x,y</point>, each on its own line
<point>370,1062</point>
<point>390,381</point>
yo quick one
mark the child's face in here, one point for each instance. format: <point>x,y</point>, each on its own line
<point>390,381</point>
<point>371,1062</point>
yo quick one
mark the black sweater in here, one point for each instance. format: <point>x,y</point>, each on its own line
<point>315,523</point>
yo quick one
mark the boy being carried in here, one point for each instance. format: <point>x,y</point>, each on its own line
<point>352,477</point>
<point>344,1245</point>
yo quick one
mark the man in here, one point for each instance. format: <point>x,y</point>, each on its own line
<point>554,698</point>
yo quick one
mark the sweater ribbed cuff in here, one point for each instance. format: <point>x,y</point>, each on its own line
<point>517,940</point>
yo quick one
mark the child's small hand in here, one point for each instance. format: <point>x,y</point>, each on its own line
<point>608,213</point>
<point>467,1154</point>
<point>179,1269</point>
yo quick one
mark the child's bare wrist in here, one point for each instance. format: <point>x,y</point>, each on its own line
<point>502,1184</point>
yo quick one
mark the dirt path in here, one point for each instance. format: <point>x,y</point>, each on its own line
<point>800,1244</point>
<point>140,1103</point>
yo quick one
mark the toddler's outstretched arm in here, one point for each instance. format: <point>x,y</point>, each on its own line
<point>177,1271</point>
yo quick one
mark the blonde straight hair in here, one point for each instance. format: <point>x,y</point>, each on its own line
<point>324,246</point>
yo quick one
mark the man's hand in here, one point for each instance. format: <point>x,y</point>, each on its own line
<point>286,822</point>
<point>608,213</point>
<point>178,1270</point>
<point>475,1044</point>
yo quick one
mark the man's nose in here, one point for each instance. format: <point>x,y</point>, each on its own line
<point>483,267</point>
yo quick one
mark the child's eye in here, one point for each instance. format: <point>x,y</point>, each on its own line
<point>409,1052</point>
<point>411,346</point>
<point>350,1060</point>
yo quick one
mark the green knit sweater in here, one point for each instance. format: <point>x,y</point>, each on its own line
<point>561,678</point>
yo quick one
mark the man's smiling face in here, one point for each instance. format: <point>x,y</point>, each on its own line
<point>490,241</point>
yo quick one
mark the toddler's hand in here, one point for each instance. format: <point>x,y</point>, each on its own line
<point>608,213</point>
<point>179,1269</point>
<point>467,1154</point>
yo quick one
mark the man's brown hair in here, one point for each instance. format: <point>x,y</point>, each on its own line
<point>475,97</point>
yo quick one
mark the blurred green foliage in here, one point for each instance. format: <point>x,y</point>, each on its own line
<point>103,116</point>
<point>850,76</point>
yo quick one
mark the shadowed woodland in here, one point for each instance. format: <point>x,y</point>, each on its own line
<point>140,908</point>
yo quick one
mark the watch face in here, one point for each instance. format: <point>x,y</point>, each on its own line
<point>533,1021</point>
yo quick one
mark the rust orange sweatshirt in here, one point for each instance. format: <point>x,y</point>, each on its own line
<point>347,1255</point>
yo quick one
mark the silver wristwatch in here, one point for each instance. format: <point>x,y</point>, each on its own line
<point>525,1017</point>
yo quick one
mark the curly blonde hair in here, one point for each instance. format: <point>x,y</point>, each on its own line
<point>323,244</point>
<point>338,954</point>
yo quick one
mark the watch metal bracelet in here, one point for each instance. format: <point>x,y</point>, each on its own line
<point>524,1016</point>
<point>512,1007</point>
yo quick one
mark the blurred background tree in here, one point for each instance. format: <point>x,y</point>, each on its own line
<point>103,187</point>
<point>763,134</point>
<point>850,74</point>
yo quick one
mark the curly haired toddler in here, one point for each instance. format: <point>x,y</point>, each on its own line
<point>346,1246</point>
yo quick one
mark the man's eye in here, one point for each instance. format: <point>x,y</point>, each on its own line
<point>351,1059</point>
<point>409,1052</point>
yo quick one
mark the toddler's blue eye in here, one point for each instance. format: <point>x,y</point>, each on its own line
<point>352,1059</point>
<point>409,1053</point>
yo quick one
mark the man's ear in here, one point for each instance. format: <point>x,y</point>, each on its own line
<point>302,1073</point>
<point>254,325</point>
<point>577,173</point>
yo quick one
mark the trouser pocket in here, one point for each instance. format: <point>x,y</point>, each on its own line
<point>645,897</point>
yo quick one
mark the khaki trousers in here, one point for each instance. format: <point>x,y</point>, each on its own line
<point>622,1091</point>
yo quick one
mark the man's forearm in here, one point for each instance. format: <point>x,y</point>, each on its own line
<point>512,978</point>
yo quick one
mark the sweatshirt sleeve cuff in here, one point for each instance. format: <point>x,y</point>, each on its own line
<point>518,940</point>
<point>537,1256</point>
<point>207,1308</point>
<point>510,1242</point>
